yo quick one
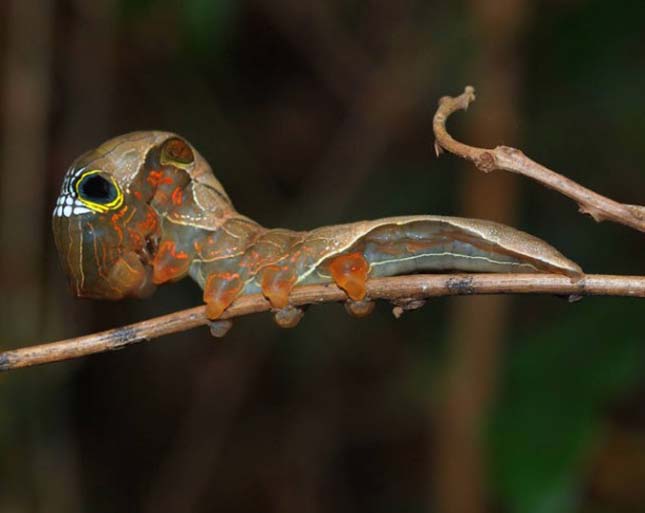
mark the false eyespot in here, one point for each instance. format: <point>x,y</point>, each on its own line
<point>176,152</point>
<point>98,191</point>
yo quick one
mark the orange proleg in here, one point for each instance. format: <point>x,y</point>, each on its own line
<point>220,291</point>
<point>350,274</point>
<point>277,283</point>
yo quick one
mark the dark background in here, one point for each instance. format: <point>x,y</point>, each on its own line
<point>317,112</point>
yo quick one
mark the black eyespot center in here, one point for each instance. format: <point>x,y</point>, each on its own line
<point>97,189</point>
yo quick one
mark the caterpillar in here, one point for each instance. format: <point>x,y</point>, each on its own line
<point>145,208</point>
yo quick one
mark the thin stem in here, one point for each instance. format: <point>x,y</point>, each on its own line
<point>505,158</point>
<point>404,291</point>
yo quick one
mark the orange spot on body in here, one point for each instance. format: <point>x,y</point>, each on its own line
<point>138,195</point>
<point>156,178</point>
<point>350,274</point>
<point>116,217</point>
<point>177,197</point>
<point>150,223</point>
<point>169,264</point>
<point>119,213</point>
<point>419,246</point>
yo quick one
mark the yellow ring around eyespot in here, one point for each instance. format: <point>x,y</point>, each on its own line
<point>99,207</point>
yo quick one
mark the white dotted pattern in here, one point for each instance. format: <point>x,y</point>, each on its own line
<point>68,204</point>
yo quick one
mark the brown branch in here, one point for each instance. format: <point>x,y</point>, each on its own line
<point>402,290</point>
<point>505,158</point>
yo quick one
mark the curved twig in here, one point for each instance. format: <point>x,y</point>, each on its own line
<point>402,290</point>
<point>505,158</point>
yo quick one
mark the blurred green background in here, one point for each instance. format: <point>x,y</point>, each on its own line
<point>317,112</point>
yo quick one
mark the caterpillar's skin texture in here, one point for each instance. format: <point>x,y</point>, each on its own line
<point>145,208</point>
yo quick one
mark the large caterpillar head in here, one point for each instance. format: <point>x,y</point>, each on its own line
<point>114,203</point>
